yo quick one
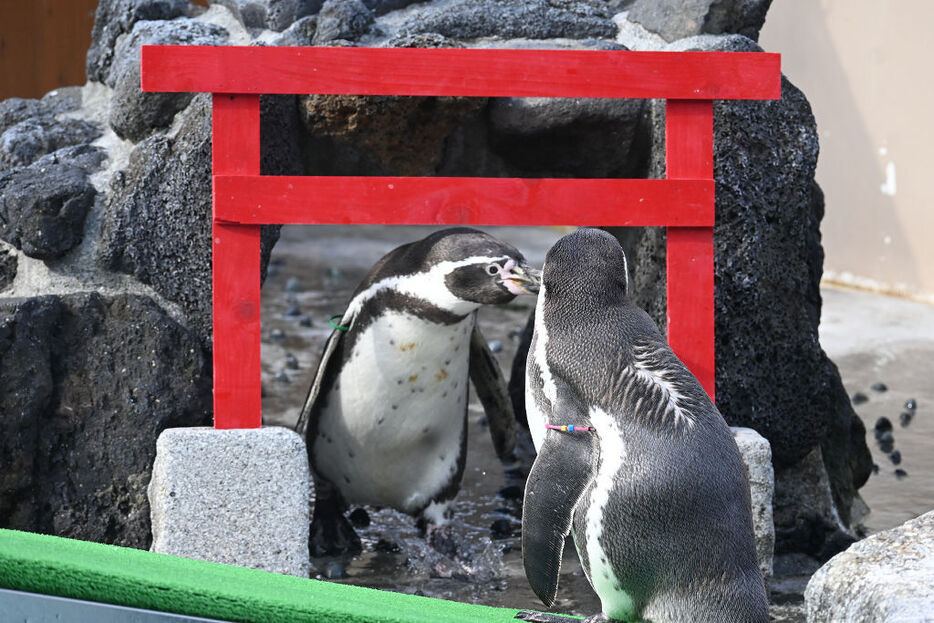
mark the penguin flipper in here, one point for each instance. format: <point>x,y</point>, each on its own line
<point>562,470</point>
<point>490,385</point>
<point>301,426</point>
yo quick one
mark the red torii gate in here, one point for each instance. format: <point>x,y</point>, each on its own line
<point>244,200</point>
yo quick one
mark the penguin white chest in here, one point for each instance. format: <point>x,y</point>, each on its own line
<point>390,433</point>
<point>616,602</point>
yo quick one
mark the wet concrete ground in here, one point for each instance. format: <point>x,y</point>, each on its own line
<point>314,271</point>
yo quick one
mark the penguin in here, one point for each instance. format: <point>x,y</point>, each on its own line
<point>385,418</point>
<point>633,458</point>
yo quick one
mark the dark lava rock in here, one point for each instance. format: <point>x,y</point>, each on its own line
<point>305,321</point>
<point>676,19</point>
<point>514,19</point>
<point>342,19</point>
<point>86,157</point>
<point>300,33</point>
<point>293,310</point>
<point>882,424</point>
<point>896,457</point>
<point>334,570</point>
<point>15,109</point>
<point>859,398</point>
<point>381,7</point>
<point>879,387</point>
<point>117,17</point>
<point>283,377</point>
<point>772,374</point>
<point>134,114</point>
<point>272,14</point>
<point>911,404</point>
<point>905,418</point>
<point>900,473</point>
<point>25,142</point>
<point>359,518</point>
<point>42,208</point>
<point>87,383</point>
<point>156,224</point>
<point>8,266</point>
<point>291,361</point>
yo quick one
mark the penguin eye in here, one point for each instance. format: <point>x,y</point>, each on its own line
<point>493,269</point>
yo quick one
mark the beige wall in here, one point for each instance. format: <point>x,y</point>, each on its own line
<point>867,67</point>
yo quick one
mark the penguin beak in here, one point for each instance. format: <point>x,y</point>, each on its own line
<point>523,279</point>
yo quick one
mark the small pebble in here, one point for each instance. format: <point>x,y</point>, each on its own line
<point>334,273</point>
<point>305,321</point>
<point>277,335</point>
<point>879,387</point>
<point>272,270</point>
<point>511,492</point>
<point>886,441</point>
<point>910,404</point>
<point>495,346</point>
<point>291,361</point>
<point>858,398</point>
<point>386,546</point>
<point>293,310</point>
<point>500,528</point>
<point>292,285</point>
<point>883,424</point>
<point>282,377</point>
<point>875,468</point>
<point>900,473</point>
<point>277,261</point>
<point>359,518</point>
<point>334,570</point>
<point>905,418</point>
<point>516,333</point>
<point>896,457</point>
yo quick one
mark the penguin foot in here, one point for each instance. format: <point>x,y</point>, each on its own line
<point>332,535</point>
<point>442,540</point>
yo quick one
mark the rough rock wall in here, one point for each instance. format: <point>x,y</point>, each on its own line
<point>106,189</point>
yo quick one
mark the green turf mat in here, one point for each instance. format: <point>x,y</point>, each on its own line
<point>130,577</point>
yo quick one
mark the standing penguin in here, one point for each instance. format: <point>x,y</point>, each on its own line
<point>385,418</point>
<point>633,457</point>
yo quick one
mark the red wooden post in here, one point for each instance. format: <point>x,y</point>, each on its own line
<point>235,149</point>
<point>689,155</point>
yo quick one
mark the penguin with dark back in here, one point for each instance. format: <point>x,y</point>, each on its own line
<point>646,475</point>
<point>385,418</point>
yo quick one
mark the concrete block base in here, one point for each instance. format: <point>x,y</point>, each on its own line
<point>238,497</point>
<point>757,455</point>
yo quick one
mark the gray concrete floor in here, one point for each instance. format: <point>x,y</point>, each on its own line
<point>874,338</point>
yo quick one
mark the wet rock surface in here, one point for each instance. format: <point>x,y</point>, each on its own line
<point>87,383</point>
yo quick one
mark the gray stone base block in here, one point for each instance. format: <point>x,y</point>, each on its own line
<point>757,455</point>
<point>888,576</point>
<point>238,497</point>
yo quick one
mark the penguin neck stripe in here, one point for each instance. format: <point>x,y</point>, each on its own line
<point>571,428</point>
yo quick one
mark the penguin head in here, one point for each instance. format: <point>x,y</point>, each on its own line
<point>479,268</point>
<point>588,263</point>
